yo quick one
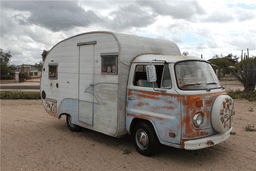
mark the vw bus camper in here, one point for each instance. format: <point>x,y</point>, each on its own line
<point>121,84</point>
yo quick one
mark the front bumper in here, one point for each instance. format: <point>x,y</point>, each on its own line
<point>206,142</point>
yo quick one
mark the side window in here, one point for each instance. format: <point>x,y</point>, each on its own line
<point>53,71</point>
<point>109,64</point>
<point>166,79</point>
<point>140,77</point>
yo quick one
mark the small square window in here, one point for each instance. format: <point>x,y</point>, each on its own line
<point>53,73</point>
<point>109,64</point>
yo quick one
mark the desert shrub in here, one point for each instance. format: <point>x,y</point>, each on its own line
<point>251,96</point>
<point>19,95</point>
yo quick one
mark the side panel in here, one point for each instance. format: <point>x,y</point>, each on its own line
<point>105,107</point>
<point>163,110</point>
<point>86,99</point>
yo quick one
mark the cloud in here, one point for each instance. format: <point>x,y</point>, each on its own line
<point>53,15</point>
<point>200,46</point>
<point>219,17</point>
<point>129,16</point>
<point>198,26</point>
<point>212,44</point>
<point>244,15</point>
<point>178,10</point>
<point>241,43</point>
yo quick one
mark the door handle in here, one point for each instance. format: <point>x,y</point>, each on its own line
<point>131,98</point>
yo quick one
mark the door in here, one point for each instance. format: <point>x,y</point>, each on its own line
<point>159,104</point>
<point>85,85</point>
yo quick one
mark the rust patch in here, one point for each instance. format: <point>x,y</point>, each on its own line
<point>208,102</point>
<point>52,113</point>
<point>192,107</point>
<point>147,117</point>
<point>199,103</point>
<point>167,107</point>
<point>140,117</point>
<point>140,104</point>
<point>196,134</point>
<point>210,142</point>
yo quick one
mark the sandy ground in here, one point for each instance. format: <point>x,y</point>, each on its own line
<point>31,139</point>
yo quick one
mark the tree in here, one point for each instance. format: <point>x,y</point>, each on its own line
<point>44,54</point>
<point>5,57</point>
<point>232,57</point>
<point>4,61</point>
<point>185,53</point>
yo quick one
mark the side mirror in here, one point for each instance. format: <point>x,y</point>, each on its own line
<point>151,73</point>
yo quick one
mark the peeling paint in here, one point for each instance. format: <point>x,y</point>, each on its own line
<point>163,110</point>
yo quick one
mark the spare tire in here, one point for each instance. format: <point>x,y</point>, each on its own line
<point>223,113</point>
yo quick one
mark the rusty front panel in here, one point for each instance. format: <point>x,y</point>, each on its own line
<point>191,105</point>
<point>163,110</point>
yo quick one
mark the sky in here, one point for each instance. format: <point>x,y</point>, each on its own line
<point>199,27</point>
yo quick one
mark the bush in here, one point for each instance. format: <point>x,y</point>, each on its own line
<point>24,75</point>
<point>19,95</point>
<point>251,96</point>
<point>7,77</point>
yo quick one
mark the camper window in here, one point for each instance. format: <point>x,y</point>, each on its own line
<point>109,64</point>
<point>53,72</point>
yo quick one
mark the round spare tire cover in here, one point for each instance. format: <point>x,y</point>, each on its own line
<point>223,113</point>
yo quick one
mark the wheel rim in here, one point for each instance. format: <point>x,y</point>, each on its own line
<point>70,121</point>
<point>142,139</point>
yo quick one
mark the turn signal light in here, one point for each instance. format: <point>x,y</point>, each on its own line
<point>171,134</point>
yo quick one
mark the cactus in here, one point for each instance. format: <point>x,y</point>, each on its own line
<point>251,76</point>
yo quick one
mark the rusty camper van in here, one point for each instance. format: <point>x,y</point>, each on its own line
<point>117,84</point>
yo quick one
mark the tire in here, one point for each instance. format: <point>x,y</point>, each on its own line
<point>145,139</point>
<point>223,113</point>
<point>71,126</point>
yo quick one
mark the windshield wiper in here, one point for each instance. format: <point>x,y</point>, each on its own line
<point>211,83</point>
<point>185,85</point>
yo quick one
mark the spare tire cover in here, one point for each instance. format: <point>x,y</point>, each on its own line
<point>223,113</point>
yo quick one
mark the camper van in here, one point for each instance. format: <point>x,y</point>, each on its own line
<point>119,84</point>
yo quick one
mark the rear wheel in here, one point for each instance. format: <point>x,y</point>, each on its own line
<point>145,139</point>
<point>71,126</point>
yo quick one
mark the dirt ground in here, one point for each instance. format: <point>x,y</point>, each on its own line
<point>31,139</point>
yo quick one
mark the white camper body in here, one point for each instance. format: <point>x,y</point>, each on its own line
<point>93,98</point>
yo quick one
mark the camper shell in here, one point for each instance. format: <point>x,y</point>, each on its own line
<point>99,81</point>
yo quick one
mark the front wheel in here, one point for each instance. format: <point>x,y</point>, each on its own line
<point>145,139</point>
<point>71,126</point>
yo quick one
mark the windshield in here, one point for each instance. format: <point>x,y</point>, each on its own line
<point>196,75</point>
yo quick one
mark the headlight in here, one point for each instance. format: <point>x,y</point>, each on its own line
<point>198,120</point>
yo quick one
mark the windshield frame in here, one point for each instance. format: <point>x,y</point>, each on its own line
<point>208,85</point>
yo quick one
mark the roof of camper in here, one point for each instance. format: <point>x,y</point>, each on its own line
<point>131,46</point>
<point>161,58</point>
<point>131,40</point>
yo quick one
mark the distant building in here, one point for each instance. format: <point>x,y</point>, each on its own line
<point>32,70</point>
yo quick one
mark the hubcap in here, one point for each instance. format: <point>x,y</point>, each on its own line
<point>142,139</point>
